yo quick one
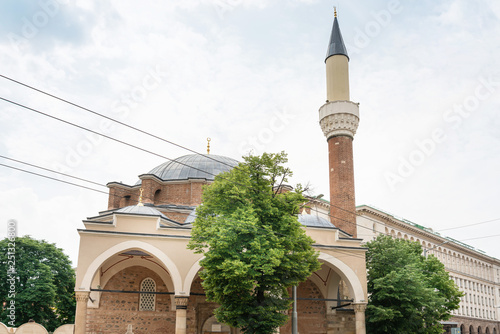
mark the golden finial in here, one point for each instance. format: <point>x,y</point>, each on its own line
<point>208,145</point>
<point>140,199</point>
<point>334,11</point>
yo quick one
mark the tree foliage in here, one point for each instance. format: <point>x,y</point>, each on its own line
<point>254,247</point>
<point>36,277</point>
<point>408,293</point>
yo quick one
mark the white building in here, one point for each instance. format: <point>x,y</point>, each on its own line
<point>474,272</point>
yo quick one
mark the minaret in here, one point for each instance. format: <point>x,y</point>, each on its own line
<point>339,118</point>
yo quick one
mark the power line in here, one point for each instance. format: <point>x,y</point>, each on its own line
<point>125,143</point>
<point>52,178</point>
<point>101,134</point>
<point>112,119</point>
<point>218,218</point>
<point>136,147</point>
<point>454,228</point>
<point>53,171</point>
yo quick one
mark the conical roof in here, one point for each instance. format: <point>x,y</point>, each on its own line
<point>336,45</point>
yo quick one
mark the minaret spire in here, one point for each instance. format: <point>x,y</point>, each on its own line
<point>339,118</point>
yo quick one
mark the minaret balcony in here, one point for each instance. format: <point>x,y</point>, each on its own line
<point>339,118</point>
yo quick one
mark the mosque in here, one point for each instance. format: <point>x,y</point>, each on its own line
<point>139,243</point>
<point>136,275</point>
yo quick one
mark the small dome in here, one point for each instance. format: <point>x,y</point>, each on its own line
<point>141,210</point>
<point>314,221</point>
<point>193,166</point>
<point>192,216</point>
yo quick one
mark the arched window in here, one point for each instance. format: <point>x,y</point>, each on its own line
<point>156,198</point>
<point>147,301</point>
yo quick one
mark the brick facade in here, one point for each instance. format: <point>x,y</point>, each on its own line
<point>117,310</point>
<point>156,193</point>
<point>343,207</point>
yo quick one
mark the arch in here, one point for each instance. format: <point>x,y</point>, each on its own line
<point>3,329</point>
<point>147,301</point>
<point>31,327</point>
<point>65,329</point>
<point>146,264</point>
<point>126,245</point>
<point>471,329</point>
<point>487,330</point>
<point>156,196</point>
<point>479,330</point>
<point>191,275</point>
<point>347,274</point>
<point>124,201</point>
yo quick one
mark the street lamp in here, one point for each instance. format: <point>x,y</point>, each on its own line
<point>425,249</point>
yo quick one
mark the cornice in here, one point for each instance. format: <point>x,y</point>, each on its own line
<point>426,235</point>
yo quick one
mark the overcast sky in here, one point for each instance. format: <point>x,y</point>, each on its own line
<point>250,75</point>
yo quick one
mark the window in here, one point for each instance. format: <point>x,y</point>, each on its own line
<point>147,300</point>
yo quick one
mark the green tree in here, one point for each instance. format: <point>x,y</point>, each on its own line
<point>36,277</point>
<point>408,293</point>
<point>254,247</point>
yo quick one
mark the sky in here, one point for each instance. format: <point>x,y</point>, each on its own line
<point>250,75</point>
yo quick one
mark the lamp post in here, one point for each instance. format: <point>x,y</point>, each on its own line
<point>294,311</point>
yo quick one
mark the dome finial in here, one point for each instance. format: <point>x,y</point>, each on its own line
<point>140,199</point>
<point>334,11</point>
<point>208,145</point>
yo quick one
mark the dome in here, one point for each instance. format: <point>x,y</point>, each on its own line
<point>193,166</point>
<point>314,221</point>
<point>141,210</point>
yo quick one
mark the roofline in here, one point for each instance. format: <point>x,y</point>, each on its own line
<point>420,229</point>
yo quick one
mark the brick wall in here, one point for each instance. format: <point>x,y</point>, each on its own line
<point>342,208</point>
<point>154,192</point>
<point>117,310</point>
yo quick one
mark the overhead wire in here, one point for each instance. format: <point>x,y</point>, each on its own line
<point>100,134</point>
<point>147,151</point>
<point>463,226</point>
<point>111,119</point>
<point>52,171</point>
<point>149,134</point>
<point>339,250</point>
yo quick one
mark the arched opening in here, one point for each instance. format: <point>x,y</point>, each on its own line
<point>157,197</point>
<point>125,201</point>
<point>462,329</point>
<point>471,330</point>
<point>479,330</point>
<point>211,325</point>
<point>147,301</point>
<point>112,314</point>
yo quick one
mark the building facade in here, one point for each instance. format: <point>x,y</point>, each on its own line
<point>136,275</point>
<point>475,273</point>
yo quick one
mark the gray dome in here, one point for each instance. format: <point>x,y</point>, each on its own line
<point>314,221</point>
<point>141,210</point>
<point>193,166</point>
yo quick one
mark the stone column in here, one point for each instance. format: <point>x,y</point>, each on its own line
<point>181,303</point>
<point>82,297</point>
<point>359,310</point>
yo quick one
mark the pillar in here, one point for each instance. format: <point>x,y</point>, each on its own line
<point>181,303</point>
<point>82,297</point>
<point>359,310</point>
